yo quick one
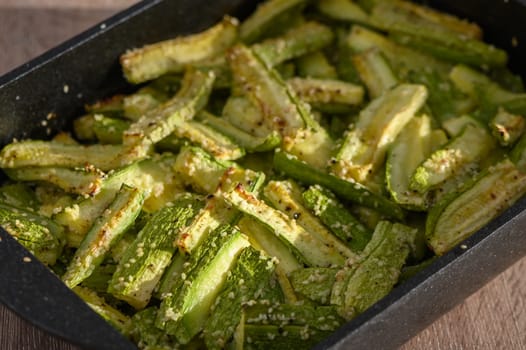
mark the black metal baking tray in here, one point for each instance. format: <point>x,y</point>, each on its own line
<point>86,68</point>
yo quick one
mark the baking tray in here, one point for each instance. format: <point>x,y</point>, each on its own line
<point>55,86</point>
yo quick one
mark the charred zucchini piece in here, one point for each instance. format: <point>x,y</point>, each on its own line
<point>171,56</point>
<point>336,217</point>
<point>352,191</point>
<point>281,109</point>
<point>184,312</point>
<point>144,262</point>
<point>308,247</point>
<point>41,236</point>
<point>364,148</point>
<point>361,285</point>
<point>107,229</point>
<point>458,216</point>
<point>252,278</point>
<point>471,145</point>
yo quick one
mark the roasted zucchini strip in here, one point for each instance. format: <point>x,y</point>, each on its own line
<point>171,56</point>
<point>336,217</point>
<point>161,122</point>
<point>184,312</point>
<point>87,181</point>
<point>115,317</point>
<point>457,216</point>
<point>55,154</point>
<point>375,72</point>
<point>343,10</point>
<point>286,196</point>
<point>305,38</point>
<point>409,150</point>
<point>472,144</point>
<point>267,15</point>
<point>144,262</point>
<point>262,238</point>
<point>361,285</point>
<point>364,148</point>
<point>281,109</point>
<point>252,278</point>
<point>352,191</point>
<point>106,230</point>
<point>41,236</point>
<point>308,247</point>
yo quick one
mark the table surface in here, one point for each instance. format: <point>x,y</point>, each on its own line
<point>492,318</point>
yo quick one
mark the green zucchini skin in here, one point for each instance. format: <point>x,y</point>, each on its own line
<point>364,148</point>
<point>354,192</point>
<point>336,217</point>
<point>43,237</point>
<point>105,232</point>
<point>267,15</point>
<point>183,312</point>
<point>472,144</point>
<point>458,216</point>
<point>172,56</point>
<point>358,287</point>
<point>252,278</point>
<point>145,260</point>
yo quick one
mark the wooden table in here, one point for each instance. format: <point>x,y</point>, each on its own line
<point>492,318</point>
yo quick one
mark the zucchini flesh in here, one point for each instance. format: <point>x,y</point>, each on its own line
<point>365,146</point>
<point>286,196</point>
<point>375,72</point>
<point>409,149</point>
<point>184,312</point>
<point>252,278</point>
<point>280,108</point>
<point>457,216</point>
<point>358,287</point>
<point>106,230</point>
<point>471,145</point>
<point>86,181</point>
<point>261,238</point>
<point>311,249</point>
<point>144,262</point>
<point>40,235</point>
<point>172,56</point>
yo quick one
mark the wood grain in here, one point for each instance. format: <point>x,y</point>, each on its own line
<point>492,318</point>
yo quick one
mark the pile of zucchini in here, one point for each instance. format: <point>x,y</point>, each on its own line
<point>272,178</point>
